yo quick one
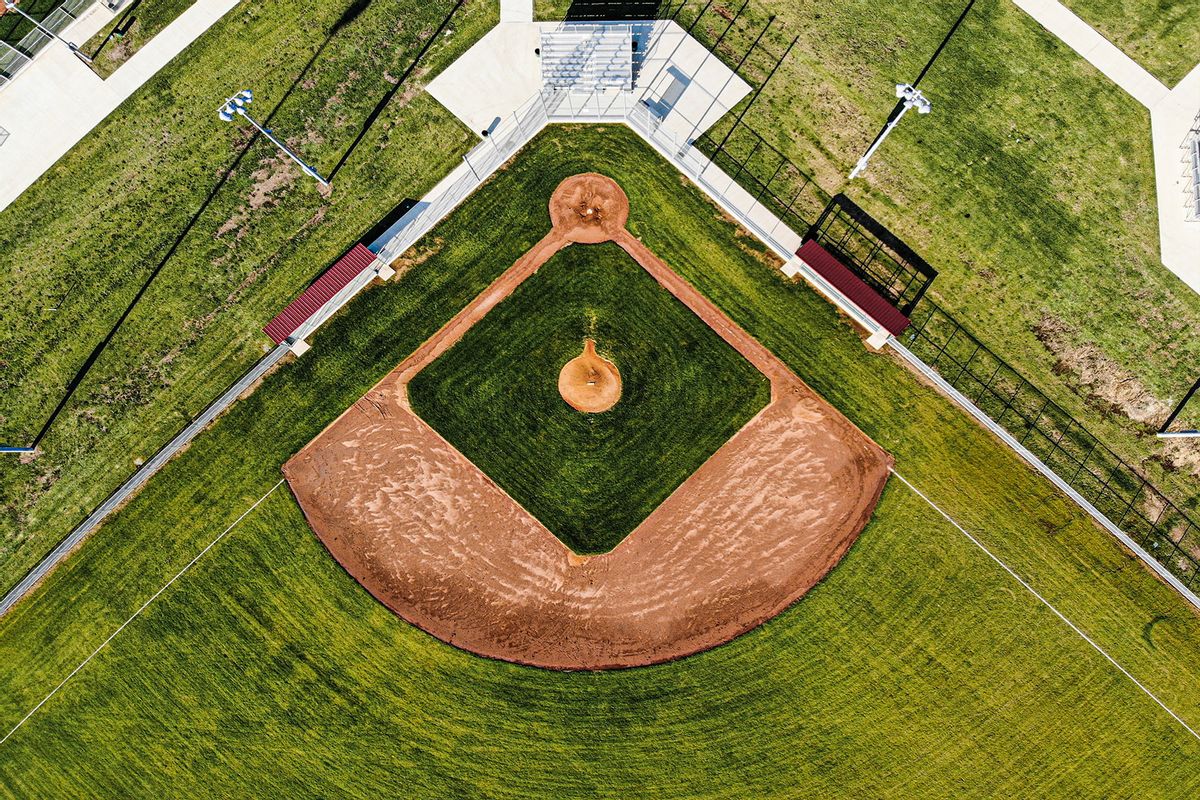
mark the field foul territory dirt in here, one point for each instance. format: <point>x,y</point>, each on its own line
<point>744,537</point>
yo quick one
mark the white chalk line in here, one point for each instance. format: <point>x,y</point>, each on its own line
<point>143,607</point>
<point>1048,605</point>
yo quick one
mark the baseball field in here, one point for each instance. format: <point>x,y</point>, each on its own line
<point>918,667</point>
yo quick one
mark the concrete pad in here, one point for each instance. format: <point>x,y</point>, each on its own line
<point>1171,120</point>
<point>491,80</point>
<point>55,101</point>
<point>681,78</point>
<point>516,10</point>
<point>688,88</point>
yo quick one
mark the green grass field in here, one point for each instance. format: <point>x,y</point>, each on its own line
<point>1046,243</point>
<point>590,478</point>
<point>140,25</point>
<point>83,239</point>
<point>1030,187</point>
<point>1163,36</point>
<point>917,669</point>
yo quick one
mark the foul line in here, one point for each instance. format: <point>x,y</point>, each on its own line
<point>143,607</point>
<point>1046,603</point>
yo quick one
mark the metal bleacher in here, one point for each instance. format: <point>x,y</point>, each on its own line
<point>587,57</point>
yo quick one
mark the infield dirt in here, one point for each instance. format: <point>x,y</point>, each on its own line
<point>438,542</point>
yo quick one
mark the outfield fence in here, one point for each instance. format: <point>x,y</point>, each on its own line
<point>1111,486</point>
<point>15,57</point>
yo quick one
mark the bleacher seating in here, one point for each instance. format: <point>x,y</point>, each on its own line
<point>587,57</point>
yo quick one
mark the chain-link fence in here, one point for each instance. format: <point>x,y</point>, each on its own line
<point>873,252</point>
<point>1060,441</point>
<point>761,169</point>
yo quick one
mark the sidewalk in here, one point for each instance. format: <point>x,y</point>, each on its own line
<point>57,100</point>
<point>1171,114</point>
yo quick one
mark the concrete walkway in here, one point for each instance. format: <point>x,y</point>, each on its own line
<point>1172,112</point>
<point>516,10</point>
<point>57,100</point>
<point>688,87</point>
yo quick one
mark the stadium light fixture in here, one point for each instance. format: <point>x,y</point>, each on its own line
<point>236,105</point>
<point>910,97</point>
<point>11,5</point>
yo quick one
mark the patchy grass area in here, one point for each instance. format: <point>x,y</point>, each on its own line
<point>1030,187</point>
<point>918,668</point>
<point>82,241</point>
<point>1163,36</point>
<point>589,478</point>
<point>137,24</point>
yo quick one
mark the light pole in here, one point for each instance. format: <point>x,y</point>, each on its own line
<point>11,5</point>
<point>908,94</point>
<point>910,97</point>
<point>1163,433</point>
<point>237,105</point>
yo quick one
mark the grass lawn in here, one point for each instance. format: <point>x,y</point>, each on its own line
<point>1164,36</point>
<point>1030,187</point>
<point>138,24</point>
<point>82,241</point>
<point>590,478</point>
<point>918,668</point>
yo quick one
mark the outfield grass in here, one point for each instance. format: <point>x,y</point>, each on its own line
<point>589,478</point>
<point>1030,188</point>
<point>83,239</point>
<point>1164,37</point>
<point>140,25</point>
<point>918,668</point>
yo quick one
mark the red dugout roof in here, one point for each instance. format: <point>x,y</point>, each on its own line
<point>853,287</point>
<point>344,270</point>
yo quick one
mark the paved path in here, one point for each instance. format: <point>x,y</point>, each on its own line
<point>516,10</point>
<point>127,489</point>
<point>55,101</point>
<point>1172,112</point>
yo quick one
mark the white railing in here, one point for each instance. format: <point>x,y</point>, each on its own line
<point>1192,146</point>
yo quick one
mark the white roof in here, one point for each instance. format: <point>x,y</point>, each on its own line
<point>587,57</point>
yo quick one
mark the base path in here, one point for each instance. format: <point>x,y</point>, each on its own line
<point>438,542</point>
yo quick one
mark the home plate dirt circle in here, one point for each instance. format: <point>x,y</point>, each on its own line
<point>437,541</point>
<point>590,382</point>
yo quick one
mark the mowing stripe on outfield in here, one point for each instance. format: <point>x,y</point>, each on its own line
<point>143,607</point>
<point>1047,604</point>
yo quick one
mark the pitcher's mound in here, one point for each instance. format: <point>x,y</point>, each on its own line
<point>589,382</point>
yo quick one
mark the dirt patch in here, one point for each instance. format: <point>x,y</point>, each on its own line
<point>434,539</point>
<point>589,208</point>
<point>589,382</point>
<point>1112,387</point>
